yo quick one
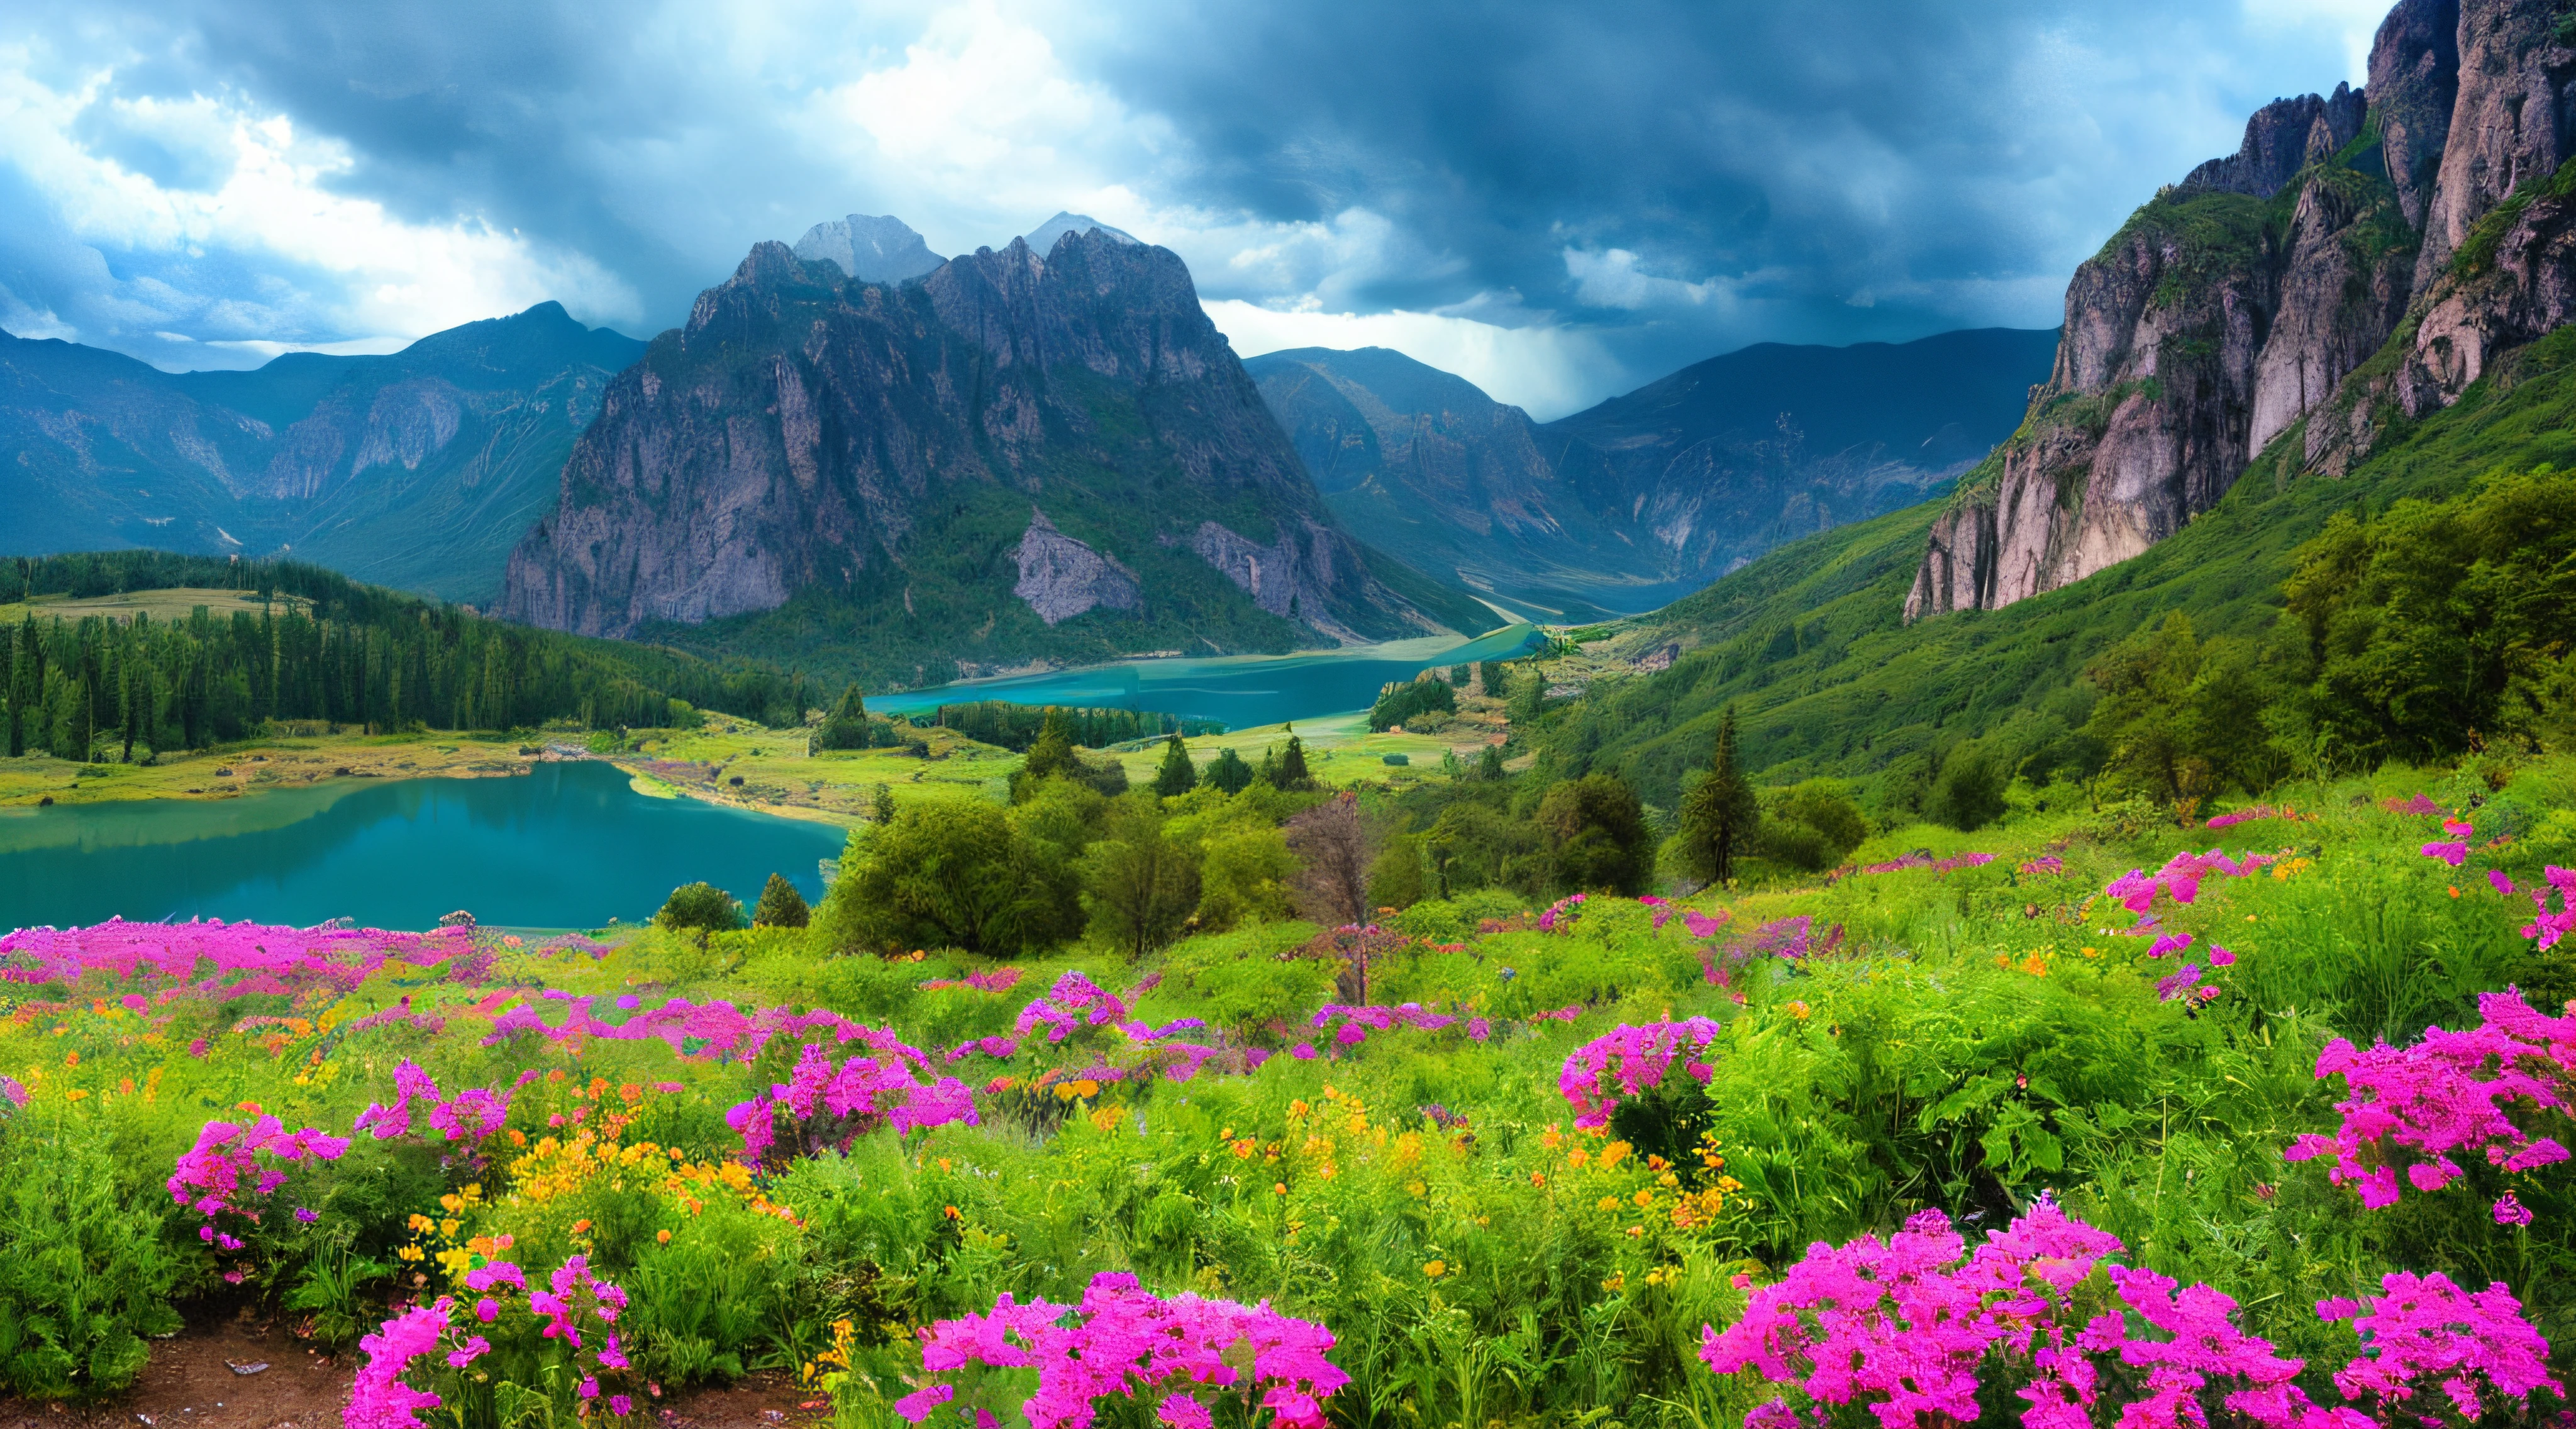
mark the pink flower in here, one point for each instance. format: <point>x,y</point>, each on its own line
<point>2510,1211</point>
<point>2453,854</point>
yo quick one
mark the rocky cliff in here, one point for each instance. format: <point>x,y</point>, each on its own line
<point>1021,456</point>
<point>2259,301</point>
<point>417,470</point>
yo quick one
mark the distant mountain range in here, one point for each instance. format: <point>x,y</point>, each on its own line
<point>417,470</point>
<point>858,455</point>
<point>1649,496</point>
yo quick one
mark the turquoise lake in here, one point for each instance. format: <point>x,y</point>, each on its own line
<point>571,845</point>
<point>1240,691</point>
<point>567,845</point>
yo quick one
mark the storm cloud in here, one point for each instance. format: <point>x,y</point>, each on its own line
<point>1557,201</point>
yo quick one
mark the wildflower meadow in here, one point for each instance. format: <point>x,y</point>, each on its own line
<point>2259,1119</point>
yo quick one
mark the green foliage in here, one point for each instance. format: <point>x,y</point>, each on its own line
<point>1139,885</point>
<point>701,907</point>
<point>2437,625</point>
<point>1597,836</point>
<point>942,875</point>
<point>1019,727</point>
<point>1970,792</point>
<point>1176,775</point>
<point>1228,772</point>
<point>1721,817</point>
<point>1408,700</point>
<point>87,1275</point>
<point>2178,721</point>
<point>781,906</point>
<point>1285,769</point>
<point>1811,826</point>
<point>337,651</point>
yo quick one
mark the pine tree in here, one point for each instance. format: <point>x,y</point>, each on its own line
<point>1720,815</point>
<point>781,906</point>
<point>1489,765</point>
<point>1051,755</point>
<point>1177,775</point>
<point>1292,764</point>
<point>883,808</point>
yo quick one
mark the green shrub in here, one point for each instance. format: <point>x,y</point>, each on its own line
<point>701,907</point>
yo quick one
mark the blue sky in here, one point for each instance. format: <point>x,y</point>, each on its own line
<point>1559,202</point>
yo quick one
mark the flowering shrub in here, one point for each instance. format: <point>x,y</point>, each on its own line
<point>1942,866</point>
<point>831,1106</point>
<point>2445,1094</point>
<point>1350,1026</point>
<point>1908,1328</point>
<point>2180,878</point>
<point>574,1309</point>
<point>235,958</point>
<point>2424,1330</point>
<point>1127,1343</point>
<point>1073,1003</point>
<point>208,1178</point>
<point>469,1115</point>
<point>1635,1058</point>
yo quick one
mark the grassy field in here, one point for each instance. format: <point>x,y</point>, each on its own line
<point>175,603</point>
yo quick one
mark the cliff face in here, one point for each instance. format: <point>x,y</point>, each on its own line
<point>806,433</point>
<point>2411,243</point>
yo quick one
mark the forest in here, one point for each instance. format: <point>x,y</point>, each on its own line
<point>331,651</point>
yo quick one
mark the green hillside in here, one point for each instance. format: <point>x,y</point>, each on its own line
<point>1809,642</point>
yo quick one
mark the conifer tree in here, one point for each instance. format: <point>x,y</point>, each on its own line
<point>1292,764</point>
<point>781,906</point>
<point>1177,775</point>
<point>1720,815</point>
<point>1229,772</point>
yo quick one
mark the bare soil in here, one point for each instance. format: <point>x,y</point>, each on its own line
<point>194,1381</point>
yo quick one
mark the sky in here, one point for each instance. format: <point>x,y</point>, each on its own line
<point>1558,202</point>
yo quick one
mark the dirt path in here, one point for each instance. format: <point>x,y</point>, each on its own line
<point>192,1383</point>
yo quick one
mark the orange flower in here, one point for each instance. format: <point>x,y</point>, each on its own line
<point>582,1226</point>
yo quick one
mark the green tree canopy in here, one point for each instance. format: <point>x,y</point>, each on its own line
<point>1596,831</point>
<point>942,875</point>
<point>781,906</point>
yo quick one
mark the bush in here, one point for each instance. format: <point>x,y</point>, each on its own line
<point>1970,792</point>
<point>702,907</point>
<point>1812,826</point>
<point>781,906</point>
<point>1406,702</point>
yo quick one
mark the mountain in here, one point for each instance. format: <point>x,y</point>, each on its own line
<point>2228,313</point>
<point>1041,239</point>
<point>1018,458</point>
<point>416,470</point>
<point>1648,496</point>
<point>1822,646</point>
<point>1449,480</point>
<point>872,250</point>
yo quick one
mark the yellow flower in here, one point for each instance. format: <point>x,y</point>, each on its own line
<point>1614,1153</point>
<point>1644,1198</point>
<point>1607,1203</point>
<point>1435,1268</point>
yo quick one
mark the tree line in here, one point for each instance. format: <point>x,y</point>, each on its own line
<point>321,648</point>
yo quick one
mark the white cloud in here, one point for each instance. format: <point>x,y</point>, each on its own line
<point>323,265</point>
<point>1550,371</point>
<point>2354,22</point>
<point>1611,279</point>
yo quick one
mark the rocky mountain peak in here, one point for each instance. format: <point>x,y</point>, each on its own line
<point>2282,138</point>
<point>1042,239</point>
<point>2414,77</point>
<point>869,248</point>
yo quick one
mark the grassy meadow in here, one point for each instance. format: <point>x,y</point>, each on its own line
<point>780,1154</point>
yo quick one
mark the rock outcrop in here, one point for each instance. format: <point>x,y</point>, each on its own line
<point>807,432</point>
<point>1061,578</point>
<point>2321,286</point>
